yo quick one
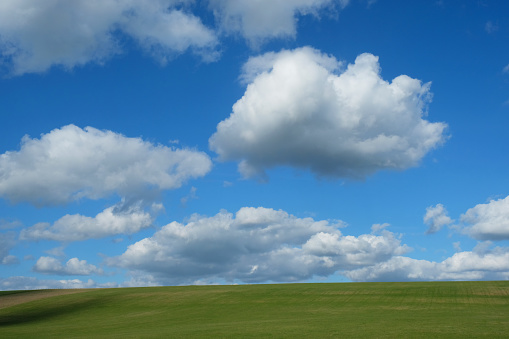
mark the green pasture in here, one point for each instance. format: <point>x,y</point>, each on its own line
<point>343,310</point>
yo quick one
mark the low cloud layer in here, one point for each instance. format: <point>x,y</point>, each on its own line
<point>36,35</point>
<point>485,265</point>
<point>74,266</point>
<point>31,283</point>
<point>255,245</point>
<point>119,219</point>
<point>302,109</point>
<point>71,163</point>
<point>488,221</point>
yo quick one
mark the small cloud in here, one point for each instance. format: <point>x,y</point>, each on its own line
<point>457,246</point>
<point>7,242</point>
<point>436,217</point>
<point>227,183</point>
<point>9,260</point>
<point>378,227</point>
<point>56,252</point>
<point>256,24</point>
<point>482,247</point>
<point>491,27</point>
<point>9,225</point>
<point>190,196</point>
<point>74,266</point>
<point>506,69</point>
<point>122,218</point>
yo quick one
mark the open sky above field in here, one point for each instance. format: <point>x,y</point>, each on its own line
<point>177,142</point>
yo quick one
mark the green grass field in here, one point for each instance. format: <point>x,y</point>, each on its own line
<point>373,310</point>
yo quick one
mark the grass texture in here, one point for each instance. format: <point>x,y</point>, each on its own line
<point>344,310</point>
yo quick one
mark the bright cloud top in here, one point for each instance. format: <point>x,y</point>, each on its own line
<point>299,110</point>
<point>262,19</point>
<point>35,35</point>
<point>72,163</point>
<point>74,266</point>
<point>488,221</point>
<point>120,219</point>
<point>257,245</point>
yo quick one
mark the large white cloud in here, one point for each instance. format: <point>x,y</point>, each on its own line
<point>74,266</point>
<point>488,221</point>
<point>72,163</point>
<point>300,110</point>
<point>257,245</point>
<point>471,265</point>
<point>119,219</point>
<point>257,20</point>
<point>35,35</point>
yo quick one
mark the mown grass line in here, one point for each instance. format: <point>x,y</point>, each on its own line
<point>376,310</point>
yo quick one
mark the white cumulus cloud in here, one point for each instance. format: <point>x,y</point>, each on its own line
<point>257,20</point>
<point>74,266</point>
<point>72,163</point>
<point>36,35</point>
<point>255,245</point>
<point>119,219</point>
<point>301,109</point>
<point>488,221</point>
<point>471,265</point>
<point>436,217</point>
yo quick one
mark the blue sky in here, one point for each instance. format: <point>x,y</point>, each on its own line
<point>200,142</point>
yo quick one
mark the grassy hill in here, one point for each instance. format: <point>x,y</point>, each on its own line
<point>375,310</point>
